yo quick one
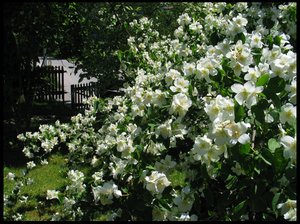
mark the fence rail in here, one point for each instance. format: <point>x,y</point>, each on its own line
<point>52,87</point>
<point>83,91</point>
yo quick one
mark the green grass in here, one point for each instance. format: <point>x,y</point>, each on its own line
<point>46,177</point>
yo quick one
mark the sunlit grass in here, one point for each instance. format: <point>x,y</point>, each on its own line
<point>37,208</point>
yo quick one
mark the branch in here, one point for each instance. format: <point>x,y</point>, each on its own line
<point>154,10</point>
<point>253,138</point>
<point>113,8</point>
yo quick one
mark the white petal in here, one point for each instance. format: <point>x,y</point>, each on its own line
<point>237,88</point>
<point>244,138</point>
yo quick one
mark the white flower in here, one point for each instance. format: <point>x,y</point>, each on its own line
<point>156,182</point>
<point>10,176</point>
<point>167,161</point>
<point>201,146</point>
<point>246,94</point>
<point>236,133</point>
<point>17,217</point>
<point>158,215</point>
<point>253,74</point>
<point>291,215</point>
<point>75,175</point>
<point>180,104</point>
<point>121,142</point>
<point>184,205</point>
<point>118,168</point>
<point>44,162</point>
<point>237,169</point>
<point>68,203</point>
<point>206,67</point>
<point>30,181</point>
<point>21,137</point>
<point>98,176</point>
<point>240,20</point>
<point>212,155</point>
<point>288,114</point>
<point>293,91</point>
<point>224,46</point>
<point>180,85</point>
<point>94,161</point>
<point>184,19</point>
<point>159,97</point>
<point>218,132</point>
<point>285,207</point>
<point>164,130</point>
<point>56,217</point>
<point>271,55</point>
<point>220,106</point>
<point>178,33</point>
<point>106,192</point>
<point>51,194</point>
<point>189,68</point>
<point>240,57</point>
<point>30,165</point>
<point>290,146</point>
<point>256,40</point>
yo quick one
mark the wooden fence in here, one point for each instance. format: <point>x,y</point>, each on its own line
<point>83,91</point>
<point>52,85</point>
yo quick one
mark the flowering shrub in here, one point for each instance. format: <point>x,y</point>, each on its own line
<point>217,103</point>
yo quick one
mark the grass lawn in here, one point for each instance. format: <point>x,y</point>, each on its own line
<point>46,177</point>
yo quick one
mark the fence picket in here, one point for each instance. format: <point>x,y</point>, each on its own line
<point>83,91</point>
<point>55,88</point>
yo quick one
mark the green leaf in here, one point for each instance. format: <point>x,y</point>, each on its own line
<point>276,115</point>
<point>231,181</point>
<point>275,201</point>
<point>270,39</point>
<point>100,106</point>
<point>203,172</point>
<point>279,163</point>
<point>258,113</point>
<point>61,197</point>
<point>96,105</point>
<point>259,204</point>
<point>277,40</point>
<point>214,38</point>
<point>276,100</point>
<point>276,84</point>
<point>209,196</point>
<point>273,144</point>
<point>268,217</point>
<point>239,210</point>
<point>244,149</point>
<point>150,167</point>
<point>266,156</point>
<point>262,80</point>
<point>261,187</point>
<point>238,112</point>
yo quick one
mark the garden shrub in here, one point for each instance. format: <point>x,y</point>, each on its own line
<point>217,102</point>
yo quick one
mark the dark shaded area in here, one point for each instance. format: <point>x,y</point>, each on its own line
<point>43,113</point>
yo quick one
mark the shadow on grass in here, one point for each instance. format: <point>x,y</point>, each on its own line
<point>43,113</point>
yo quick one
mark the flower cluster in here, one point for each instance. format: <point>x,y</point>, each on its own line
<point>209,103</point>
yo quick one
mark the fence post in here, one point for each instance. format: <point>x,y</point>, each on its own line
<point>63,85</point>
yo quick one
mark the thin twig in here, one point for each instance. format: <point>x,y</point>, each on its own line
<point>113,8</point>
<point>253,138</point>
